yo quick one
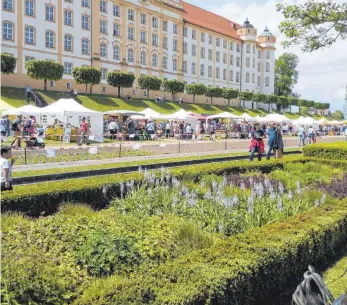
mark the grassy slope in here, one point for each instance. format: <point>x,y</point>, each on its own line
<point>16,98</point>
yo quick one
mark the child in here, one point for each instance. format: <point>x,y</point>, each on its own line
<point>6,163</point>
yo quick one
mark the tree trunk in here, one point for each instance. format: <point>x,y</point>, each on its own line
<point>147,93</point>
<point>290,108</point>
<point>118,91</point>
<point>269,107</point>
<point>45,85</point>
<point>211,100</point>
<point>91,89</point>
<point>228,102</point>
<point>172,96</point>
<point>299,109</point>
<point>86,89</point>
<point>193,98</point>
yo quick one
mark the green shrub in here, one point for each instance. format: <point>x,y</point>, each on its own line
<point>243,269</point>
<point>335,151</point>
<point>336,276</point>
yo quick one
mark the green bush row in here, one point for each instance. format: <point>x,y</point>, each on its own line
<point>334,151</point>
<point>244,269</point>
<point>44,198</point>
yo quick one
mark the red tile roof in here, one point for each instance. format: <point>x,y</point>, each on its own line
<point>210,21</point>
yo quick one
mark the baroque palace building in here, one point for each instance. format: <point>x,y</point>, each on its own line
<point>170,39</point>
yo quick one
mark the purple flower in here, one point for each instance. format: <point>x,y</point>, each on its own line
<point>280,188</point>
<point>279,205</point>
<point>250,202</point>
<point>290,195</point>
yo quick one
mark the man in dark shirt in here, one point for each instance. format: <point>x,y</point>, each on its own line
<point>271,139</point>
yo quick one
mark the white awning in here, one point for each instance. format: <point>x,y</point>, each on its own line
<point>224,115</point>
<point>25,110</point>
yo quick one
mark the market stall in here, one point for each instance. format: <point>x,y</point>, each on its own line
<point>273,117</point>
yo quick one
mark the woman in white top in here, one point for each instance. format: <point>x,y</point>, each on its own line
<point>198,130</point>
<point>311,134</point>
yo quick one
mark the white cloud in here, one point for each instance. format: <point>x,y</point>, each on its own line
<point>322,74</point>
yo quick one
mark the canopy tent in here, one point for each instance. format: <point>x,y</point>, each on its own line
<point>335,122</point>
<point>247,117</point>
<point>148,114</point>
<point>123,112</point>
<point>224,115</point>
<point>304,121</point>
<point>322,121</point>
<point>179,115</point>
<point>24,110</point>
<point>200,117</point>
<point>273,117</point>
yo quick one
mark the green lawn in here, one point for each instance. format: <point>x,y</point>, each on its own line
<point>16,98</point>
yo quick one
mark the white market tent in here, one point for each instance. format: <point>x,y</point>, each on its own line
<point>304,121</point>
<point>224,115</point>
<point>24,110</point>
<point>122,112</point>
<point>247,117</point>
<point>71,112</point>
<point>274,117</point>
<point>148,114</point>
<point>335,122</point>
<point>179,115</point>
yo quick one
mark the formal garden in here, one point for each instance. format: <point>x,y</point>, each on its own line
<point>228,232</point>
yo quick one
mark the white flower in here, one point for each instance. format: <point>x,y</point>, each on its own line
<point>324,197</point>
<point>140,170</point>
<point>316,203</point>
<point>298,187</point>
<point>250,204</point>
<point>280,188</point>
<point>279,205</point>
<point>290,195</point>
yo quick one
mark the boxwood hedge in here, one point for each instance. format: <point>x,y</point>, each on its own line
<point>248,268</point>
<point>335,151</point>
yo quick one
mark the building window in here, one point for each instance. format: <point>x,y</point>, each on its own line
<point>217,56</point>
<point>224,74</point>
<point>104,90</point>
<point>248,48</point>
<point>85,22</point>
<point>248,61</point>
<point>259,54</point>
<point>49,13</point>
<point>30,8</point>
<point>28,58</point>
<point>258,81</point>
<point>267,81</point>
<point>209,71</point>
<point>143,35</point>
<point>103,8</point>
<point>202,37</point>
<point>154,39</point>
<point>224,44</point>
<point>175,45</point>
<point>224,58</point>
<point>258,66</point>
<point>202,52</point>
<point>193,68</point>
<point>68,68</point>
<point>237,77</point>
<point>247,77</point>
<point>174,64</point>
<point>116,10</point>
<point>165,26</point>
<point>143,19</point>
<point>116,29</point>
<point>184,68</point>
<point>116,52</point>
<point>253,49</point>
<point>267,54</point>
<point>155,22</point>
<point>193,50</point>
<point>165,62</point>
<point>253,63</point>
<point>85,46</point>
<point>253,78</point>
<point>68,43</point>
<point>217,73</point>
<point>231,46</point>
<point>29,35</point>
<point>85,3</point>
<point>49,39</point>
<point>8,5</point>
<point>231,60</point>
<point>143,58</point>
<point>185,32</point>
<point>209,54</point>
<point>154,60</point>
<point>68,17</point>
<point>174,28</point>
<point>131,15</point>
<point>103,26</point>
<point>210,39</point>
<point>238,48</point>
<point>218,42</point>
<point>103,51</point>
<point>231,76</point>
<point>267,67</point>
<point>237,61</point>
<point>131,55</point>
<point>185,48</point>
<point>165,42</point>
<point>68,86</point>
<point>194,34</point>
<point>103,73</point>
<point>52,83</point>
<point>130,33</point>
<point>202,70</point>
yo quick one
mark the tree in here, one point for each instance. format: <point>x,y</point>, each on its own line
<point>245,96</point>
<point>286,75</point>
<point>229,94</point>
<point>314,24</point>
<point>302,103</point>
<point>44,69</point>
<point>337,115</point>
<point>282,102</point>
<point>317,106</point>
<point>213,92</point>
<point>86,75</point>
<point>258,98</point>
<point>195,89</point>
<point>293,101</point>
<point>271,99</point>
<point>8,63</point>
<point>149,83</point>
<point>120,80</point>
<point>173,86</point>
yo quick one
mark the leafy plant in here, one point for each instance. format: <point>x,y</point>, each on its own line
<point>213,92</point>
<point>8,63</point>
<point>174,86</point>
<point>87,75</point>
<point>195,89</point>
<point>149,83</point>
<point>120,80</point>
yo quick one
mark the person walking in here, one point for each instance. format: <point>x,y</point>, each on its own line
<point>17,127</point>
<point>257,144</point>
<point>112,126</point>
<point>84,129</point>
<point>311,134</point>
<point>301,136</point>
<point>6,164</point>
<point>212,131</point>
<point>271,134</point>
<point>167,129</point>
<point>28,93</point>
<point>198,130</point>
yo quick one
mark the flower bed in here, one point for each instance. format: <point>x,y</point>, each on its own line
<point>335,151</point>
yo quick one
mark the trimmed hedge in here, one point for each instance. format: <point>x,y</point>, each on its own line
<point>247,268</point>
<point>335,151</point>
<point>44,198</point>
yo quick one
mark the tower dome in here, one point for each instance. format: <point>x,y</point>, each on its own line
<point>266,38</point>
<point>247,24</point>
<point>247,31</point>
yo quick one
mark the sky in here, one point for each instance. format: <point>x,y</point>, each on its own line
<point>322,74</point>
